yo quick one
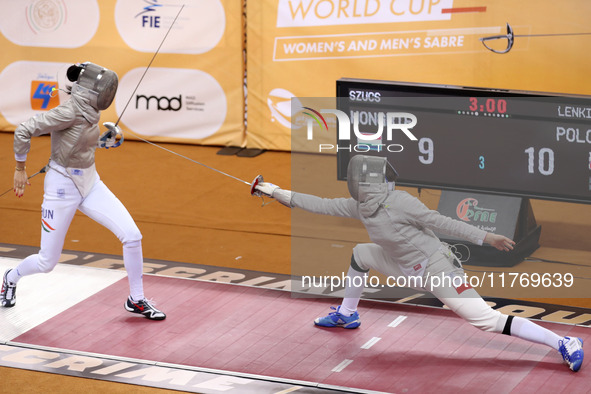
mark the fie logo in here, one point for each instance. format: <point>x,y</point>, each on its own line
<point>152,21</point>
<point>42,97</point>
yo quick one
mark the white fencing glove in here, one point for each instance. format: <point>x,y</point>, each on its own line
<point>266,188</point>
<point>274,191</point>
<point>109,138</point>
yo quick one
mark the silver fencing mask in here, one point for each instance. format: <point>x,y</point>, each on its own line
<point>366,170</point>
<point>101,82</point>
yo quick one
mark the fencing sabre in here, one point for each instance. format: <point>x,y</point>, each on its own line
<point>108,137</point>
<point>113,129</point>
<point>41,171</point>
<point>150,64</point>
<point>510,36</point>
<point>253,184</point>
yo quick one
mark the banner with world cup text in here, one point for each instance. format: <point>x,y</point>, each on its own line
<point>299,48</point>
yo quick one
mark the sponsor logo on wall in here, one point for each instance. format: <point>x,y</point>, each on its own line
<point>279,102</point>
<point>43,96</point>
<point>49,23</point>
<point>142,24</point>
<point>31,87</point>
<point>172,102</point>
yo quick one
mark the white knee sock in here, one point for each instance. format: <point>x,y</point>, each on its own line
<point>134,261</point>
<point>28,266</point>
<point>352,292</point>
<point>528,330</point>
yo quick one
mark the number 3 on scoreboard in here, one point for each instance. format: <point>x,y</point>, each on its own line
<point>481,162</point>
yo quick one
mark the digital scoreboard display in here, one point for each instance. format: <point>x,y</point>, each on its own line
<point>490,141</point>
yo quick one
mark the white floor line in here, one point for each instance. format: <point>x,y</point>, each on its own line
<point>397,321</point>
<point>342,365</point>
<point>42,296</point>
<point>370,343</point>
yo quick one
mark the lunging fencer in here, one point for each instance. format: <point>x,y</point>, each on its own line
<point>402,229</point>
<point>72,182</point>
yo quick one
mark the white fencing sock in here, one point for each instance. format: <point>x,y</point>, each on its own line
<point>28,266</point>
<point>134,262</point>
<point>354,288</point>
<point>530,331</point>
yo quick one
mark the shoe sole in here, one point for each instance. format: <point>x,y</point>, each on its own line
<point>143,314</point>
<point>577,364</point>
<point>155,318</point>
<point>338,326</point>
<point>4,280</point>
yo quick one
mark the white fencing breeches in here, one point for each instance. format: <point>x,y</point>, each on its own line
<point>464,301</point>
<point>60,202</point>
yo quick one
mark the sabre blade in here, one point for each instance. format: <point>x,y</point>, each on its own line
<point>552,34</point>
<point>510,37</point>
<point>149,64</point>
<point>156,145</point>
<point>188,158</point>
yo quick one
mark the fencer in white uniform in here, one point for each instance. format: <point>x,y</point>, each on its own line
<point>401,229</point>
<point>72,182</point>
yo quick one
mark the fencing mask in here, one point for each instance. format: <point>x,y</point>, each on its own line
<point>366,170</point>
<point>101,82</point>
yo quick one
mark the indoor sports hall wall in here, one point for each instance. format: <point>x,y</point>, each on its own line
<point>192,93</point>
<point>301,47</point>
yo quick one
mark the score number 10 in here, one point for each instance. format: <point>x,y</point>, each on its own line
<point>545,160</point>
<point>545,157</point>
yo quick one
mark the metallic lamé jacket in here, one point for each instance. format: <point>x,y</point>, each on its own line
<point>74,131</point>
<point>395,220</point>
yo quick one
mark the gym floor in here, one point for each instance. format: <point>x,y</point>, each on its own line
<point>196,222</point>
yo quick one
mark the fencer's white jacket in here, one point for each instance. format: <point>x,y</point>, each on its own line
<point>74,131</point>
<point>395,220</point>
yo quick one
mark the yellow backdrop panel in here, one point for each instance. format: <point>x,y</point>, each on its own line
<point>192,93</point>
<point>301,47</point>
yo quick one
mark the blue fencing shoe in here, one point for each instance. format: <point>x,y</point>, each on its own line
<point>336,319</point>
<point>572,352</point>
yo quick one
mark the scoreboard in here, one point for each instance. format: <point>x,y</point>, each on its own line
<point>526,144</point>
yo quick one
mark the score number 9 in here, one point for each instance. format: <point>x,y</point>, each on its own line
<point>426,149</point>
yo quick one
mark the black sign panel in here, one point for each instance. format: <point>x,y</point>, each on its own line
<point>491,141</point>
<point>495,214</point>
